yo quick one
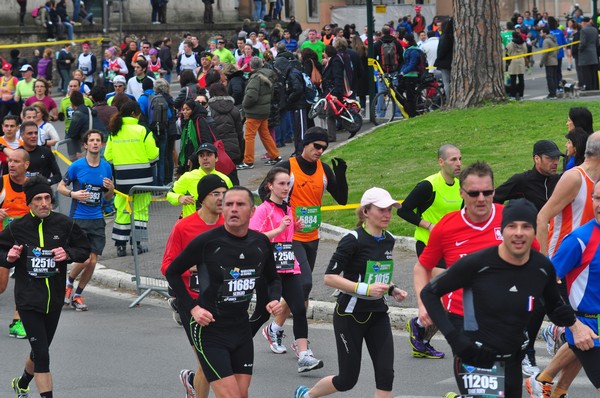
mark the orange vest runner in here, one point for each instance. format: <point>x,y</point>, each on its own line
<point>13,201</point>
<point>305,199</point>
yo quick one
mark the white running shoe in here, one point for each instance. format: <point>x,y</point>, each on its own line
<point>297,352</point>
<point>189,388</point>
<point>538,389</point>
<point>528,368</point>
<point>274,340</point>
<point>309,363</point>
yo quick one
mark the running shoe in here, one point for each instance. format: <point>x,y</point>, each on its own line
<point>309,363</point>
<point>68,294</point>
<point>264,157</point>
<point>538,389</point>
<point>17,330</point>
<point>528,365</point>
<point>297,352</point>
<point>272,162</point>
<point>245,166</point>
<point>300,392</point>
<point>548,336</point>
<point>78,304</point>
<point>173,304</point>
<point>420,348</point>
<point>19,392</point>
<point>451,395</point>
<point>121,251</point>
<point>184,377</point>
<point>274,340</point>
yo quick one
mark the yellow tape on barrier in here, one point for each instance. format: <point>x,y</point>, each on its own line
<point>68,163</point>
<point>52,43</point>
<point>540,51</point>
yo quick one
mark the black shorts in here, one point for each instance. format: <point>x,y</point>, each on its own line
<point>590,360</point>
<point>95,231</point>
<point>223,351</point>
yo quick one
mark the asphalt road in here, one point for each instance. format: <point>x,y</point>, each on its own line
<point>112,351</point>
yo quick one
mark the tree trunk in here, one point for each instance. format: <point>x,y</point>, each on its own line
<point>477,67</point>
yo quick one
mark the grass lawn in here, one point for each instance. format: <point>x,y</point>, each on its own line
<point>397,156</point>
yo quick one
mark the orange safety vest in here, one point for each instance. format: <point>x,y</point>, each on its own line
<point>306,191</point>
<point>13,201</point>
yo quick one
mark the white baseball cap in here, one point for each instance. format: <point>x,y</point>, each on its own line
<point>119,79</point>
<point>378,197</point>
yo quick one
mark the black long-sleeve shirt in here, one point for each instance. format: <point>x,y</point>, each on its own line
<point>531,185</point>
<point>498,297</point>
<point>228,267</point>
<point>42,162</point>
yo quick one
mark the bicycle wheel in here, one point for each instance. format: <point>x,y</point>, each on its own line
<point>317,109</point>
<point>354,126</point>
<point>430,98</point>
<point>383,109</point>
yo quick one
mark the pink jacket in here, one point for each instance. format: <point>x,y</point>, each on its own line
<point>267,217</point>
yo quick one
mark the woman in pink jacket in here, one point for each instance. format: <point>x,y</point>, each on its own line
<point>274,218</point>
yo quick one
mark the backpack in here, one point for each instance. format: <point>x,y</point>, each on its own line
<point>389,57</point>
<point>158,114</point>
<point>35,12</point>
<point>315,75</point>
<point>310,90</point>
<point>422,64</point>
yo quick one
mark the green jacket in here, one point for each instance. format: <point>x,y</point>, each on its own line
<point>258,94</point>
<point>187,184</point>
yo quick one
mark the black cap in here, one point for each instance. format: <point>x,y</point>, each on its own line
<point>519,210</point>
<point>209,183</point>
<point>546,147</point>
<point>207,148</point>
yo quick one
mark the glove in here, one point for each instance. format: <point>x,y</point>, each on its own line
<point>339,166</point>
<point>469,352</point>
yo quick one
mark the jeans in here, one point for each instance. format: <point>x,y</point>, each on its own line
<point>551,73</point>
<point>517,85</point>
<point>286,128</point>
<point>257,9</point>
<point>65,76</point>
<point>161,142</point>
<point>380,111</point>
<point>69,29</point>
<point>76,9</point>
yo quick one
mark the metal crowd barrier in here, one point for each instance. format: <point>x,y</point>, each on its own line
<point>162,216</point>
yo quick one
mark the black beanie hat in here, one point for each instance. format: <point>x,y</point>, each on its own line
<point>209,183</point>
<point>34,186</point>
<point>519,210</point>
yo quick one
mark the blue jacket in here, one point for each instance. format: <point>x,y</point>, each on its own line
<point>561,40</point>
<point>412,56</point>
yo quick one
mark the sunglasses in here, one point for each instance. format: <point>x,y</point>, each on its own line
<point>118,85</point>
<point>203,103</point>
<point>320,147</point>
<point>475,194</point>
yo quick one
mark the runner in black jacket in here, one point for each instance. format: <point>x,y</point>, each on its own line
<point>39,246</point>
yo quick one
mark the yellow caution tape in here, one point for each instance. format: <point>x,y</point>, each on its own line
<point>547,50</point>
<point>52,43</point>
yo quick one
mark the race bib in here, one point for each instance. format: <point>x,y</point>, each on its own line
<point>310,216</point>
<point>30,174</point>
<point>379,271</point>
<point>284,256</point>
<point>194,282</point>
<point>483,382</point>
<point>111,74</point>
<point>238,284</point>
<point>95,195</point>
<point>40,262</point>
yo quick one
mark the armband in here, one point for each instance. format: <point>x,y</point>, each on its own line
<point>362,289</point>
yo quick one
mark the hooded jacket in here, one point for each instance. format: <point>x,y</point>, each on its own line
<point>550,58</point>
<point>229,125</point>
<point>388,39</point>
<point>80,123</point>
<point>258,94</point>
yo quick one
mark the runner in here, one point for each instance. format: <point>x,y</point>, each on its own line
<point>91,177</point>
<point>500,284</point>
<point>39,246</point>
<point>211,189</point>
<point>364,256</point>
<point>432,198</point>
<point>274,218</point>
<point>234,257</point>
<point>309,177</point>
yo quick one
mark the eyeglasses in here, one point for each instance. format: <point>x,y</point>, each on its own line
<point>145,47</point>
<point>475,194</point>
<point>217,194</point>
<point>319,147</point>
<point>203,103</point>
<point>118,85</point>
<point>221,42</point>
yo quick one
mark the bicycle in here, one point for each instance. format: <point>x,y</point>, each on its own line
<point>390,104</point>
<point>347,111</point>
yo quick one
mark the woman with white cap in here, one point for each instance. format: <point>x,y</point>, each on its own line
<point>364,257</point>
